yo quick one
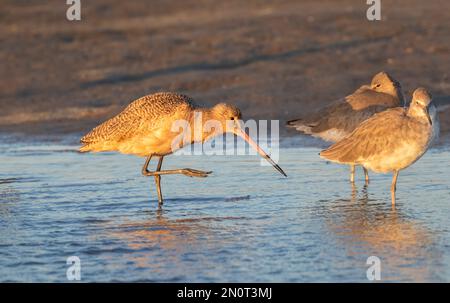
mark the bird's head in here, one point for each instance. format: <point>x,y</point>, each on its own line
<point>421,104</point>
<point>230,118</point>
<point>385,83</point>
<point>226,112</point>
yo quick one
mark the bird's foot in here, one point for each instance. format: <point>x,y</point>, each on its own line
<point>195,173</point>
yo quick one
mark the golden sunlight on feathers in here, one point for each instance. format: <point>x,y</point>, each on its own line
<point>390,141</point>
<point>149,127</point>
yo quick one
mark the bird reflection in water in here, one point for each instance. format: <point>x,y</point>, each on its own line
<point>156,241</point>
<point>367,227</point>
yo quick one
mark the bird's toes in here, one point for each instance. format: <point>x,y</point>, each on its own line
<point>202,174</point>
<point>196,173</point>
<point>206,174</point>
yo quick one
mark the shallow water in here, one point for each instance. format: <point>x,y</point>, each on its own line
<point>243,223</point>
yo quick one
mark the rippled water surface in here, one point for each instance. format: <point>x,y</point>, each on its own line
<point>243,223</point>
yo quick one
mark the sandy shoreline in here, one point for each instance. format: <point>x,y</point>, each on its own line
<point>277,60</point>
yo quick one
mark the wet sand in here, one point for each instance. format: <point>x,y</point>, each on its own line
<point>277,60</point>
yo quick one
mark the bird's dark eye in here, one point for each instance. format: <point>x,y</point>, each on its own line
<point>378,85</point>
<point>232,118</point>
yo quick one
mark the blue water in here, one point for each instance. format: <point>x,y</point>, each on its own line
<point>244,223</point>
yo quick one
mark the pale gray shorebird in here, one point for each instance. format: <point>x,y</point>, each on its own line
<point>391,140</point>
<point>337,120</point>
<point>144,128</point>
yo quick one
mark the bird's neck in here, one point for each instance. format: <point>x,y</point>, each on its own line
<point>201,115</point>
<point>418,113</point>
<point>204,124</point>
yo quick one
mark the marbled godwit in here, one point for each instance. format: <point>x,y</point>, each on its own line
<point>144,128</point>
<point>391,140</point>
<point>337,120</point>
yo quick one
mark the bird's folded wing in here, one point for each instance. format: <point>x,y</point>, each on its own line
<point>317,117</point>
<point>364,98</point>
<point>324,118</point>
<point>122,125</point>
<point>368,139</point>
<point>138,117</point>
<point>344,118</point>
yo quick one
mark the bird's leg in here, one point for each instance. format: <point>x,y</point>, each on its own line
<point>394,186</point>
<point>352,173</point>
<point>366,175</point>
<point>158,172</point>
<point>394,181</point>
<point>158,182</point>
<point>146,172</point>
<point>185,171</point>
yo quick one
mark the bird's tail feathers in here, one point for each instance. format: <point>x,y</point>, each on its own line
<point>339,153</point>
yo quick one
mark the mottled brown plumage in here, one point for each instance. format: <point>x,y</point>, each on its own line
<point>160,124</point>
<point>141,121</point>
<point>391,140</point>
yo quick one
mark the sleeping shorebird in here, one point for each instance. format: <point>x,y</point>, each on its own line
<point>144,128</point>
<point>337,120</point>
<point>391,140</point>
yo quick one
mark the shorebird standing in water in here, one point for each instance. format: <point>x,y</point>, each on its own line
<point>144,128</point>
<point>337,120</point>
<point>391,140</point>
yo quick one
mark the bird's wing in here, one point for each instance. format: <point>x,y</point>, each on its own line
<point>356,108</point>
<point>345,114</point>
<point>366,97</point>
<point>369,138</point>
<point>317,117</point>
<point>343,117</point>
<point>140,115</point>
<point>362,89</point>
<point>337,116</point>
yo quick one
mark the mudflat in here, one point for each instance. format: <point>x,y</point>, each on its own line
<point>274,60</point>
